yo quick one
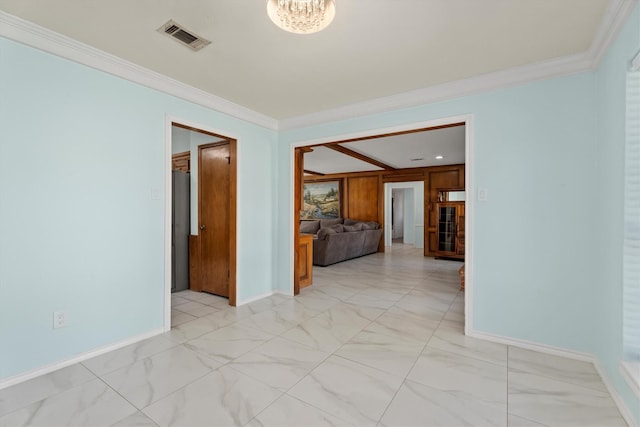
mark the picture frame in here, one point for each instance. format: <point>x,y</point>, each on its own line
<point>321,200</point>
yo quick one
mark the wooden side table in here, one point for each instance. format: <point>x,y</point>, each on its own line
<point>305,260</point>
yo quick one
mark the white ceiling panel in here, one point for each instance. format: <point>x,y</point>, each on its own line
<point>418,149</point>
<point>326,161</point>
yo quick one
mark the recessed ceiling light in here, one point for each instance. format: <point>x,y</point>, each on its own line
<point>439,157</point>
<point>417,160</point>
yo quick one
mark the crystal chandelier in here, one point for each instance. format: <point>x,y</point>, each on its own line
<point>301,16</point>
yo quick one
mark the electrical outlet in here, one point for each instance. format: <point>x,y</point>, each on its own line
<point>59,319</point>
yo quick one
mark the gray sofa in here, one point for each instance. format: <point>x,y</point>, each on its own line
<point>338,240</point>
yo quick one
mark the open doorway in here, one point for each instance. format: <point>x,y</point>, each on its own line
<point>404,213</point>
<point>200,248</point>
<point>379,171</point>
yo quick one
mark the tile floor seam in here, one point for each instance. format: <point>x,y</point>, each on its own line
<point>562,380</point>
<point>185,385</point>
<point>468,357</point>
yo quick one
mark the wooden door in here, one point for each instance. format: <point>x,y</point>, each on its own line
<point>214,217</point>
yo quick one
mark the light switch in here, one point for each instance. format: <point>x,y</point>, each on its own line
<point>483,195</point>
<point>155,193</point>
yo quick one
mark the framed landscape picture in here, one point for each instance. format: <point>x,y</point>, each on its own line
<point>321,200</point>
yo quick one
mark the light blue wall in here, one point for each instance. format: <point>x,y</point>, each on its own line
<point>80,153</point>
<point>535,151</point>
<point>180,140</point>
<point>548,243</point>
<point>611,78</point>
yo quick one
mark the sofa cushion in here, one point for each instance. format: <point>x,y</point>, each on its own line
<point>369,226</point>
<point>339,228</point>
<point>374,225</point>
<point>323,232</point>
<point>330,222</point>
<point>355,227</point>
<point>350,221</point>
<point>310,226</point>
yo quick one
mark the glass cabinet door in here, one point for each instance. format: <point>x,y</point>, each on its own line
<point>447,229</point>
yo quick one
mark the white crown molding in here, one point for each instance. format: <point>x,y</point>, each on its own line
<point>41,38</point>
<point>33,35</point>
<point>611,24</point>
<point>497,80</point>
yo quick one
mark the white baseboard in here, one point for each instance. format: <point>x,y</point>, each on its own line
<point>25,376</point>
<point>569,354</point>
<point>631,376</point>
<point>622,406</point>
<point>531,345</point>
<point>281,292</point>
<point>256,298</point>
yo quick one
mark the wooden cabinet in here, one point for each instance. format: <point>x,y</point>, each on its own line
<point>305,259</point>
<point>181,161</point>
<point>450,230</point>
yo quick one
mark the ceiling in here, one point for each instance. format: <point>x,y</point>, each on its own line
<point>409,150</point>
<point>373,49</point>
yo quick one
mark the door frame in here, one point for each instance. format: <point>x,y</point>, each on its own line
<point>467,119</point>
<point>234,148</point>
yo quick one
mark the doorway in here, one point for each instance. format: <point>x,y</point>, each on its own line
<point>405,200</point>
<point>459,176</point>
<point>183,145</point>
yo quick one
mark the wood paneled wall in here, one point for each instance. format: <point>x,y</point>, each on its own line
<point>362,197</point>
<point>362,194</point>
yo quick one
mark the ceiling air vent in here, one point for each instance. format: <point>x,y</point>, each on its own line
<point>184,36</point>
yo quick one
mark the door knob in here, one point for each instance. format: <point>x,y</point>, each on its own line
<point>202,227</point>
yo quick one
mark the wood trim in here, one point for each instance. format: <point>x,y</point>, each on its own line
<point>233,212</point>
<point>398,175</point>
<point>384,135</point>
<point>381,247</point>
<point>195,271</point>
<point>359,156</point>
<point>338,176</point>
<point>313,172</point>
<point>180,125</point>
<point>344,191</point>
<point>298,179</point>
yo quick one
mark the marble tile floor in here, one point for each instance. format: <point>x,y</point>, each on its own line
<point>375,341</point>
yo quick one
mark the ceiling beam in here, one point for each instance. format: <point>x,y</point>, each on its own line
<point>313,172</point>
<point>356,155</point>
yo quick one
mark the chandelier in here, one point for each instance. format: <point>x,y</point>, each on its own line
<point>301,16</point>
